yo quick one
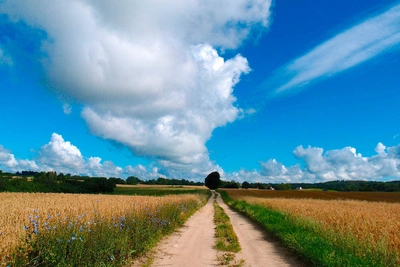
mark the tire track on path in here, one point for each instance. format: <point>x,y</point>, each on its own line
<point>258,250</point>
<point>193,244</point>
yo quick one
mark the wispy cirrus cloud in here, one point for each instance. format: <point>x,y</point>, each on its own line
<point>347,49</point>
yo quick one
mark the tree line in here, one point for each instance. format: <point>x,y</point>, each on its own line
<point>132,180</point>
<point>213,181</point>
<point>31,181</point>
<point>339,185</point>
<point>51,182</point>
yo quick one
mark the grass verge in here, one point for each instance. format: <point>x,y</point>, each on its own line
<point>227,241</point>
<point>226,237</point>
<point>319,246</point>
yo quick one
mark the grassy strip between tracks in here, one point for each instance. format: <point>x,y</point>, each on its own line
<point>226,239</point>
<point>320,247</point>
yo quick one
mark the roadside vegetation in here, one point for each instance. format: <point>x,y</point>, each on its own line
<point>347,236</point>
<point>87,230</point>
<point>226,239</point>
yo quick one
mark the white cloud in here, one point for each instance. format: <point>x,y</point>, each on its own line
<point>10,163</point>
<point>5,59</point>
<point>319,166</point>
<point>346,164</point>
<point>143,173</point>
<point>380,148</point>
<point>61,155</point>
<point>67,108</point>
<point>350,48</point>
<point>147,72</point>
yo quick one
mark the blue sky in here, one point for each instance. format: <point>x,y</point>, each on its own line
<point>281,91</point>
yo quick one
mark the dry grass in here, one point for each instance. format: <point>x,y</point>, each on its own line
<point>376,223</point>
<point>19,209</point>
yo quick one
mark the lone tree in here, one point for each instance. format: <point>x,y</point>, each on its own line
<point>245,185</point>
<point>212,180</point>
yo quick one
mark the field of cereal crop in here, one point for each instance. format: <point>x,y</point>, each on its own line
<point>90,229</point>
<point>391,197</point>
<point>375,223</point>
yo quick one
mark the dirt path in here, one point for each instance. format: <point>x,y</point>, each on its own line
<point>257,248</point>
<point>193,245</point>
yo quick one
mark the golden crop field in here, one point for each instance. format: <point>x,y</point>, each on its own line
<point>376,223</point>
<point>19,211</point>
<point>391,197</point>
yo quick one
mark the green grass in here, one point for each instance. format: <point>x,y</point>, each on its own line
<point>158,191</point>
<point>226,237</point>
<point>319,247</point>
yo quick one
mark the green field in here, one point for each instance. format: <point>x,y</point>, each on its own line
<point>157,190</point>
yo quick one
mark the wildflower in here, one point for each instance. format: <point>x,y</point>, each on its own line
<point>48,216</point>
<point>73,237</point>
<point>35,210</point>
<point>25,228</point>
<point>36,231</point>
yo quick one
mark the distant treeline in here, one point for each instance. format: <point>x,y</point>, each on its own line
<point>161,181</point>
<point>340,185</point>
<point>31,181</point>
<point>51,182</point>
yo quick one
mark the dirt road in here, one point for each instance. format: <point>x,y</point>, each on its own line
<point>258,249</point>
<point>193,244</point>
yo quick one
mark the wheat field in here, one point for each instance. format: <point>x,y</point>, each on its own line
<point>23,213</point>
<point>373,223</point>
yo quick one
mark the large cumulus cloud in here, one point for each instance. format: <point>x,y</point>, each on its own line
<point>318,165</point>
<point>147,72</point>
<point>64,157</point>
